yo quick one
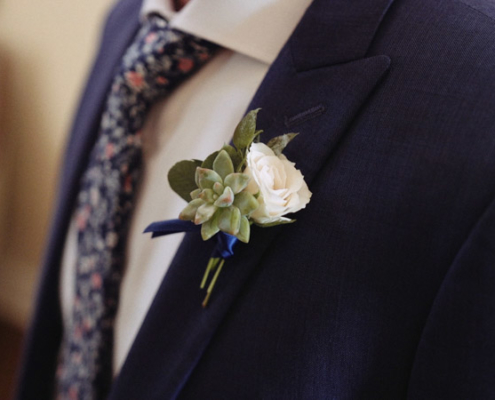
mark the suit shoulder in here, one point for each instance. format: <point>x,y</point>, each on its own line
<point>452,37</point>
<point>483,7</point>
<point>123,12</point>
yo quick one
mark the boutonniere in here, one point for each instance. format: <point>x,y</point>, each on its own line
<point>235,187</point>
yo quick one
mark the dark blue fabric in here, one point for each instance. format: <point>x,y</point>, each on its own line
<point>225,243</point>
<point>382,289</point>
<point>170,226</point>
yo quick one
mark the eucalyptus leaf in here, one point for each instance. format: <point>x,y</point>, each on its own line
<point>208,162</point>
<point>278,144</point>
<point>181,178</point>
<point>245,132</point>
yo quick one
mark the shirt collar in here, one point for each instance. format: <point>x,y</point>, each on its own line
<point>256,28</point>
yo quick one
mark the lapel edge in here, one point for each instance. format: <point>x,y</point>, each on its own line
<point>336,32</point>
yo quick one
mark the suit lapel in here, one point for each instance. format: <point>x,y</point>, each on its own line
<point>297,95</point>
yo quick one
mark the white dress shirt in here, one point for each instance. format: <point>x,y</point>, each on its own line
<point>197,119</point>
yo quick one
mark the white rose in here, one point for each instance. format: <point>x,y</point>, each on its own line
<point>281,186</point>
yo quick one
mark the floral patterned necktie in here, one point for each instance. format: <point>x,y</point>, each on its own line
<point>159,59</point>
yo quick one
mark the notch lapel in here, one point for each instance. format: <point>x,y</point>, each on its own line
<point>297,95</point>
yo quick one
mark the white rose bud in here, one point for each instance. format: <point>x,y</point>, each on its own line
<point>281,186</point>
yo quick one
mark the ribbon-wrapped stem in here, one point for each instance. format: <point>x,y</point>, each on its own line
<point>223,250</point>
<point>214,280</point>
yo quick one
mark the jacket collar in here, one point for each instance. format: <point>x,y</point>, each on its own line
<point>255,28</point>
<point>316,86</point>
<point>336,32</point>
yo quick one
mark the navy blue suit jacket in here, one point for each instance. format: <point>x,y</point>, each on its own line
<point>384,288</point>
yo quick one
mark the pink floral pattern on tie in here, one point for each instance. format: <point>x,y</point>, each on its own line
<point>158,60</point>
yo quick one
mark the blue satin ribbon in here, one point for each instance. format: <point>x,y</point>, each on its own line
<point>225,242</point>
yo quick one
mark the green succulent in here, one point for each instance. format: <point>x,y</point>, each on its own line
<point>220,203</point>
<point>215,189</point>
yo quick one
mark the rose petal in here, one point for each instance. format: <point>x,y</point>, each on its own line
<point>281,186</point>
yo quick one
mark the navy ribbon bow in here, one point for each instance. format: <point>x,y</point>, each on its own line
<point>225,242</point>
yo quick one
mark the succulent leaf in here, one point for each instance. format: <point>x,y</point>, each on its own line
<point>237,181</point>
<point>246,203</point>
<point>244,230</point>
<point>208,195</point>
<point>206,178</point>
<point>223,164</point>
<point>210,228</point>
<point>230,220</point>
<point>218,188</point>
<point>226,199</point>
<point>195,193</point>
<point>204,213</point>
<point>189,212</point>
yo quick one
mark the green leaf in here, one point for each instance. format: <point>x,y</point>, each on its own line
<point>189,212</point>
<point>246,203</point>
<point>244,230</point>
<point>223,165</point>
<point>181,178</point>
<point>195,193</point>
<point>210,228</point>
<point>236,181</point>
<point>218,188</point>
<point>269,225</point>
<point>208,195</point>
<point>206,178</point>
<point>205,213</point>
<point>230,220</point>
<point>278,144</point>
<point>257,136</point>
<point>226,199</point>
<point>235,156</point>
<point>208,163</point>
<point>245,132</point>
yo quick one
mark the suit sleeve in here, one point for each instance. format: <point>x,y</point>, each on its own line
<point>455,358</point>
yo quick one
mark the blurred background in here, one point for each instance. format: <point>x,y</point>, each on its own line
<point>46,49</point>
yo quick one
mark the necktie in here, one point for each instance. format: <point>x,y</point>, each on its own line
<point>159,59</point>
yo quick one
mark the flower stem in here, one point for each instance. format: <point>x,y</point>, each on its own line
<point>212,283</point>
<point>210,267</point>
